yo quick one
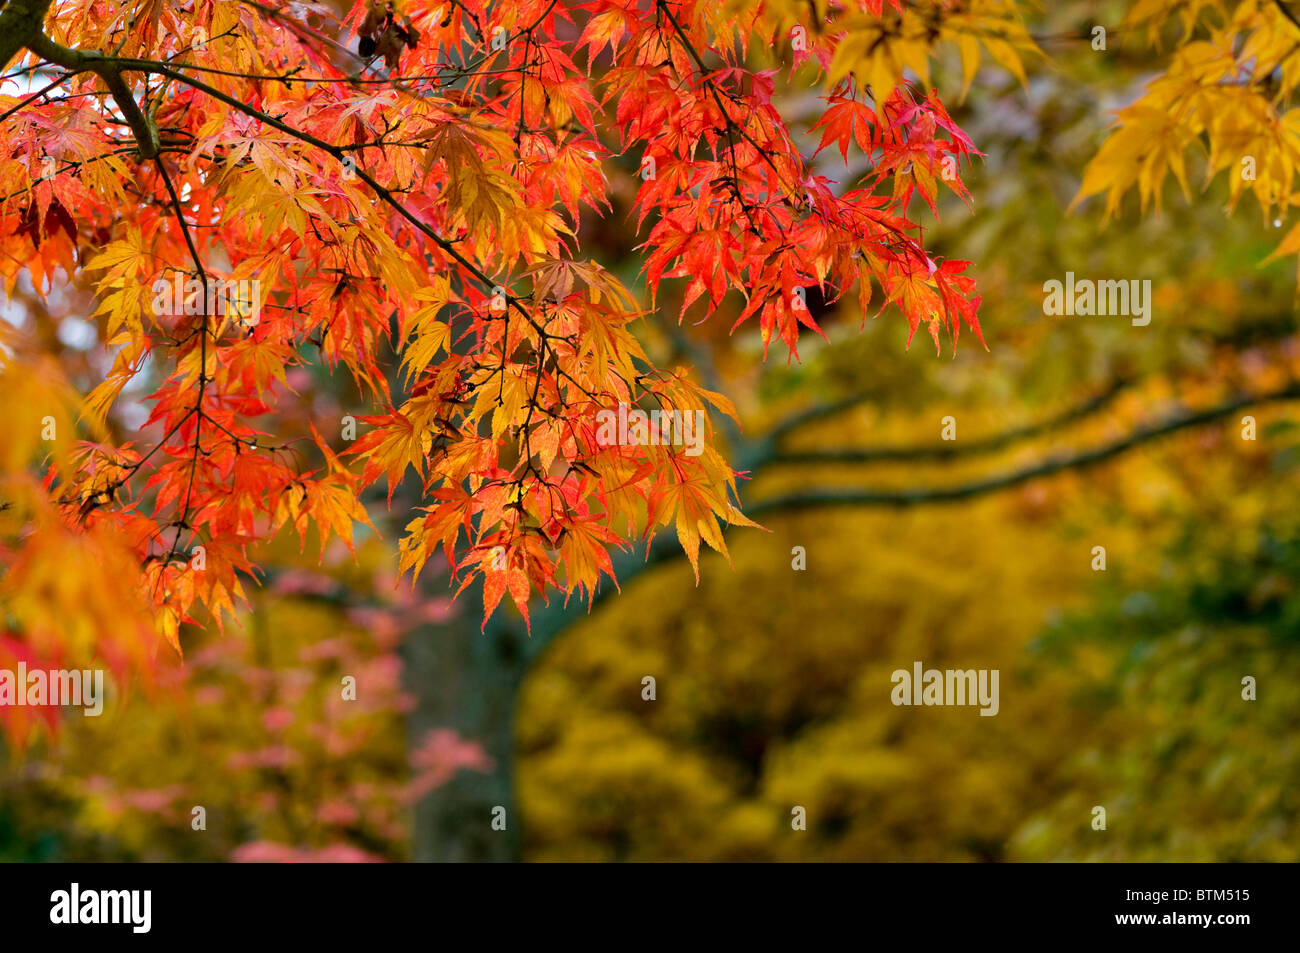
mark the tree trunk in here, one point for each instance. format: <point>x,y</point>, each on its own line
<point>468,681</point>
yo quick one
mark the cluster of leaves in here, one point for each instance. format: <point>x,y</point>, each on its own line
<point>432,205</point>
<point>1228,92</point>
<point>69,592</point>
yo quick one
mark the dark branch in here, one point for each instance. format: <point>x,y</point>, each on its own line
<point>108,70</point>
<point>20,20</point>
<point>948,450</point>
<point>852,497</point>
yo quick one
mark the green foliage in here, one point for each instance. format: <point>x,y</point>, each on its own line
<point>1187,768</point>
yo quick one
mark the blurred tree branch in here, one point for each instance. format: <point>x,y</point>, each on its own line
<point>1052,465</point>
<point>945,451</point>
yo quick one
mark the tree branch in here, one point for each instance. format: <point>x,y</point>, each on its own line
<point>761,451</point>
<point>948,450</point>
<point>107,69</point>
<point>852,497</point>
<point>20,21</point>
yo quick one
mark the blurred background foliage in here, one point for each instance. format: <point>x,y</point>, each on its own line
<point>259,729</point>
<point>1119,689</point>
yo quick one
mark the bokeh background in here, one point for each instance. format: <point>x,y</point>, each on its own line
<point>1119,688</point>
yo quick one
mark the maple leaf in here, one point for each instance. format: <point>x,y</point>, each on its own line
<point>845,121</point>
<point>391,447</point>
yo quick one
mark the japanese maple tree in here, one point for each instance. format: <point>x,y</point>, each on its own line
<point>411,179</point>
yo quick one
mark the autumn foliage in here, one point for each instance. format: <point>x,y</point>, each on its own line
<point>413,180</point>
<point>351,262</point>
